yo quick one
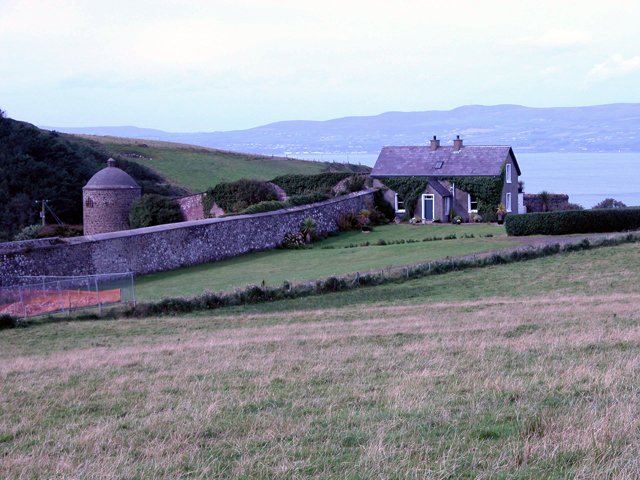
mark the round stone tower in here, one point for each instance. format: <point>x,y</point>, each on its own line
<point>107,197</point>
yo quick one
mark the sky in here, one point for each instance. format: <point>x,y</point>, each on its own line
<point>215,65</point>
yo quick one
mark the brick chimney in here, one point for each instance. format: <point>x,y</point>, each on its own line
<point>434,144</point>
<point>457,144</point>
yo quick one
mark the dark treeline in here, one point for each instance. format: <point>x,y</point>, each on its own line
<point>37,164</point>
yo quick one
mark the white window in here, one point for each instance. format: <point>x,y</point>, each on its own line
<point>507,172</point>
<point>473,204</point>
<point>399,204</point>
<point>508,200</point>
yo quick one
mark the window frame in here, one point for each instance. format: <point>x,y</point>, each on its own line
<point>507,173</point>
<point>398,200</point>
<point>469,202</point>
<point>508,201</point>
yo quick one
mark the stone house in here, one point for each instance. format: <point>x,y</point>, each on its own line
<point>442,165</point>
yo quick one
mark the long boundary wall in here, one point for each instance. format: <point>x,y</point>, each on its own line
<point>171,246</point>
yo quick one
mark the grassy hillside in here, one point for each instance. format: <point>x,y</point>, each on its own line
<point>527,370</point>
<point>198,168</point>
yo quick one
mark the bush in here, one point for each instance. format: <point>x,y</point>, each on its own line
<point>7,321</point>
<point>62,231</point>
<point>355,183</point>
<point>574,221</point>
<point>302,184</point>
<point>150,210</point>
<point>347,221</point>
<point>293,240</point>
<point>28,233</point>
<point>306,199</point>
<point>237,196</point>
<point>267,206</point>
<point>569,206</point>
<point>610,203</point>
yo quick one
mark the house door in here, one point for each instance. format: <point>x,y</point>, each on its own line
<point>427,207</point>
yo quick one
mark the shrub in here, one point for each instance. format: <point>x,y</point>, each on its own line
<point>237,196</point>
<point>293,240</point>
<point>574,221</point>
<point>62,231</point>
<point>610,203</point>
<point>306,199</point>
<point>28,233</point>
<point>267,206</point>
<point>294,184</point>
<point>355,183</point>
<point>571,206</point>
<point>347,221</point>
<point>150,210</point>
<point>383,207</point>
<point>7,321</point>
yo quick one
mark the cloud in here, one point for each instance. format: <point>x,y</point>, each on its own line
<point>616,66</point>
<point>550,70</point>
<point>554,39</point>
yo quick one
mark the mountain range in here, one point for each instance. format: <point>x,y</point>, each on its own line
<point>601,128</point>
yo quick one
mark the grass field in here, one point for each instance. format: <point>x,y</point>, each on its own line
<point>276,266</point>
<point>526,370</point>
<point>198,168</point>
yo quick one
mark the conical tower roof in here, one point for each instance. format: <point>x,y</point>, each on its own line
<point>111,178</point>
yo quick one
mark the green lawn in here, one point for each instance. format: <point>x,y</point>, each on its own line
<point>276,266</point>
<point>198,168</point>
<point>520,371</point>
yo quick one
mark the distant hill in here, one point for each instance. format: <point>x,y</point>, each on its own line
<point>602,128</point>
<point>197,168</point>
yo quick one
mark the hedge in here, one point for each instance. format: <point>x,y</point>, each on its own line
<point>294,184</point>
<point>238,195</point>
<point>573,221</point>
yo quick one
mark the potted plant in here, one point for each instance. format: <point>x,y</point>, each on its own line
<point>436,219</point>
<point>501,211</point>
<point>452,213</point>
<point>457,219</point>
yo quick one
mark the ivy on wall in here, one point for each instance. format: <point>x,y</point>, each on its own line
<point>409,189</point>
<point>488,191</point>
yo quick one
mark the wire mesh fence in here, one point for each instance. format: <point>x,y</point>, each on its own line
<point>31,296</point>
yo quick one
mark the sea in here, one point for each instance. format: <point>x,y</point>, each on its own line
<point>588,178</point>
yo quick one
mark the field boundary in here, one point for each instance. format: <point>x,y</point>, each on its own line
<point>252,294</point>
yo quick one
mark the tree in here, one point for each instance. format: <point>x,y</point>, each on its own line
<point>150,210</point>
<point>544,199</point>
<point>307,228</point>
<point>610,203</point>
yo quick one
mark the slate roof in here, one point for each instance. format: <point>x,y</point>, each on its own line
<point>441,189</point>
<point>110,178</point>
<point>469,161</point>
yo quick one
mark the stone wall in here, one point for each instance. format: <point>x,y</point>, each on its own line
<point>171,246</point>
<point>191,207</point>
<point>534,204</point>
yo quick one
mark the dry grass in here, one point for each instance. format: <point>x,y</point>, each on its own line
<point>545,386</point>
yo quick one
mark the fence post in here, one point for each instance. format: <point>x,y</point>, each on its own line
<point>95,280</point>
<point>24,306</point>
<point>60,296</point>
<point>133,290</point>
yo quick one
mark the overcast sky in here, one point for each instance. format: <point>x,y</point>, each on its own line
<point>187,66</point>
